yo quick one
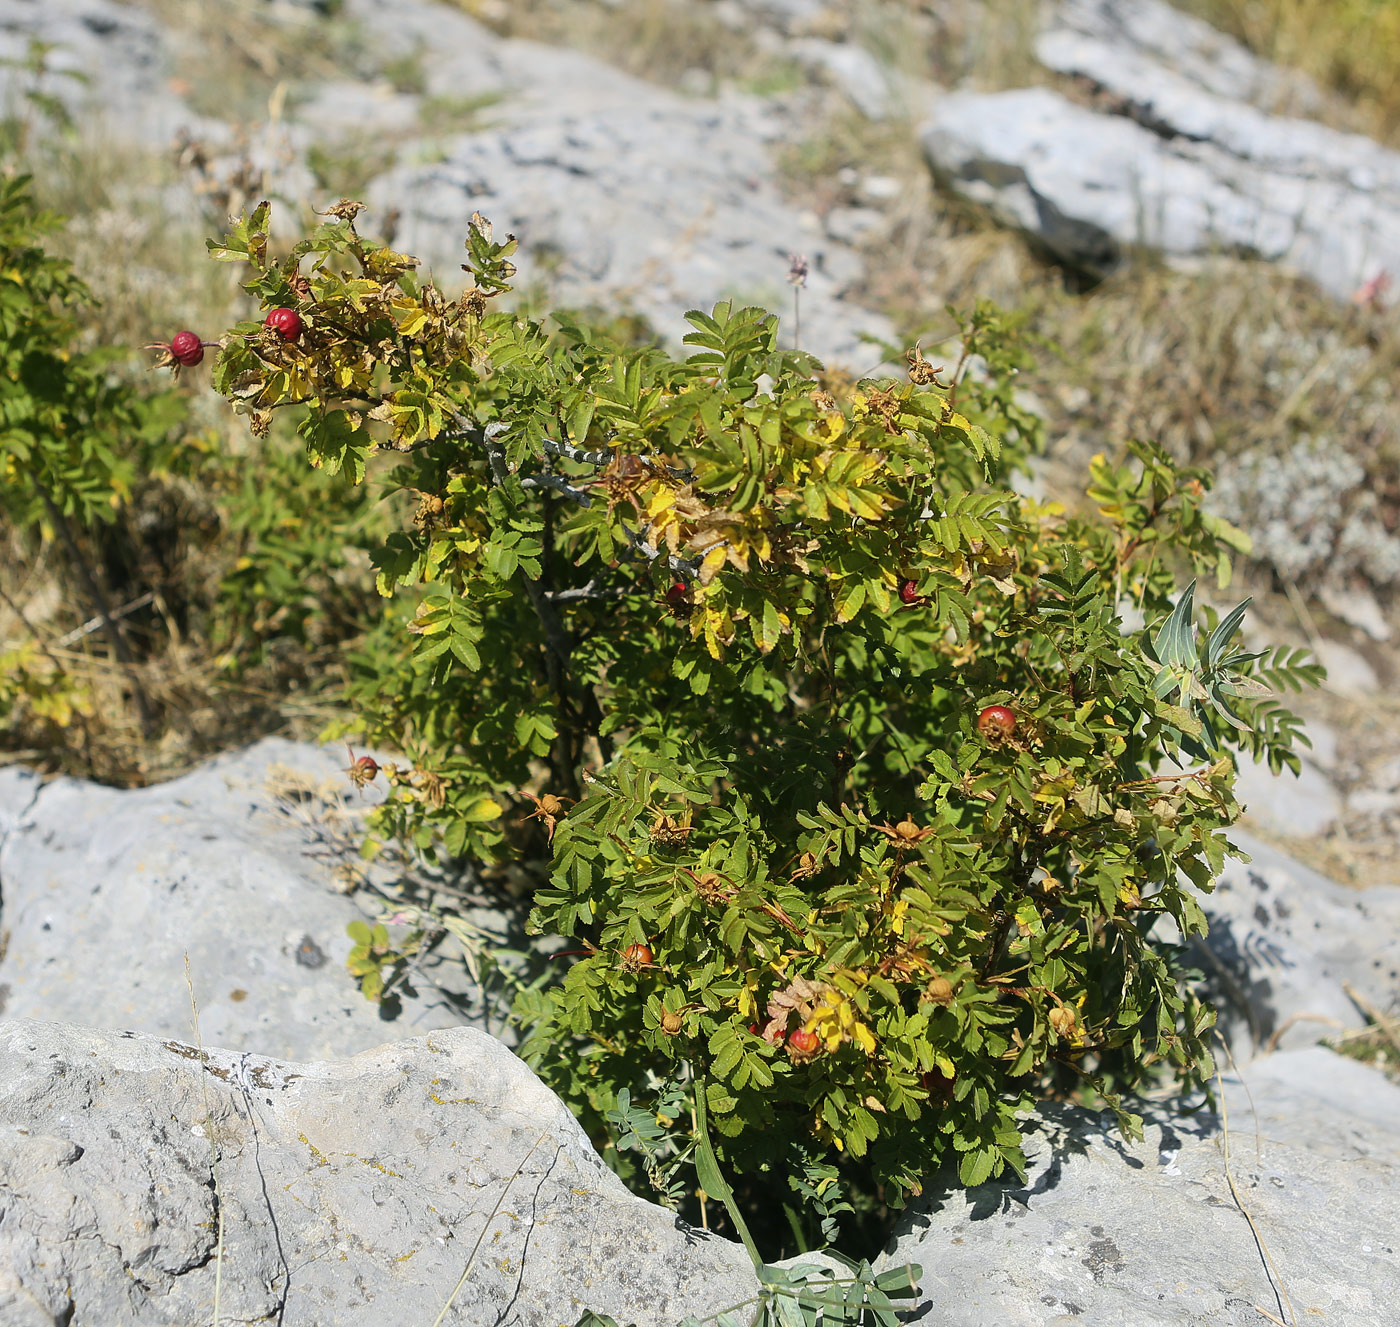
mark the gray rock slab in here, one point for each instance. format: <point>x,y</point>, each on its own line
<point>1284,944</point>
<point>1111,1234</point>
<point>352,1192</point>
<point>104,891</point>
<point>1158,34</point>
<point>1306,804</point>
<point>622,193</point>
<point>1166,164</point>
<point>868,85</point>
<point>110,66</point>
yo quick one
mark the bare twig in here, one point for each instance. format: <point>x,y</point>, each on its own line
<point>573,453</point>
<point>96,623</point>
<point>590,591</point>
<point>1388,1027</point>
<point>558,484</point>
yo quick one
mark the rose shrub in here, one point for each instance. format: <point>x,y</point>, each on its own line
<point>712,635</point>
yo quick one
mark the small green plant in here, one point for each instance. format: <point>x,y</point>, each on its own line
<point>371,955</point>
<point>808,1296</point>
<point>655,628</point>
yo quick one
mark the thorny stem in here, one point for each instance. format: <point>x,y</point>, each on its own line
<point>566,756</point>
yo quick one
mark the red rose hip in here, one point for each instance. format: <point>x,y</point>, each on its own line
<point>996,721</point>
<point>908,592</point>
<point>678,594</point>
<point>637,956</point>
<point>804,1042</point>
<point>285,322</point>
<point>186,348</point>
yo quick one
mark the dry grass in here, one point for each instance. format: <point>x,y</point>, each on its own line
<point>688,43</point>
<point>145,260</point>
<point>1351,47</point>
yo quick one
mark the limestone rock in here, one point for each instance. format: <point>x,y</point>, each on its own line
<point>1166,163</point>
<point>104,891</point>
<point>1108,1233</point>
<point>1284,944</point>
<point>1306,804</point>
<point>109,66</point>
<point>658,205</point>
<point>352,1193</point>
<point>869,85</point>
<point>1156,38</point>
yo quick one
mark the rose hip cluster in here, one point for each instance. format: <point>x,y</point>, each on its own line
<point>186,349</point>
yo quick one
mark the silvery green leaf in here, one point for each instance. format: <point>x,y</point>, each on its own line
<point>1226,628</point>
<point>787,1312</point>
<point>1239,685</point>
<point>1165,683</point>
<point>1218,703</point>
<point>1175,643</point>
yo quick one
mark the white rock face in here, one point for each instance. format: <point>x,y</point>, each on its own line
<point>352,1192</point>
<point>1306,804</point>
<point>1180,161</point>
<point>110,66</point>
<point>1107,1234</point>
<point>622,194</point>
<point>1284,944</point>
<point>104,891</point>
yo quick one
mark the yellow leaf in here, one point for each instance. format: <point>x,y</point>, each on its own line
<point>897,918</point>
<point>484,808</point>
<point>712,562</point>
<point>663,500</point>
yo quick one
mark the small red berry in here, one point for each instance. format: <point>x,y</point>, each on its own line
<point>804,1042</point>
<point>362,771</point>
<point>186,348</point>
<point>678,594</point>
<point>996,721</point>
<point>637,956</point>
<point>286,322</point>
<point>908,592</point>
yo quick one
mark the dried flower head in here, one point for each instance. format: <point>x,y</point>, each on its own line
<point>345,210</point>
<point>921,372</point>
<point>429,513</point>
<point>548,808</point>
<point>907,834</point>
<point>797,269</point>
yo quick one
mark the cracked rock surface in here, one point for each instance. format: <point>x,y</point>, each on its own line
<point>351,1191</point>
<point>1107,1233</point>
<point>1172,156</point>
<point>241,865</point>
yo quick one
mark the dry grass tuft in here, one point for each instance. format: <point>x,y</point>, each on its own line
<point>1351,47</point>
